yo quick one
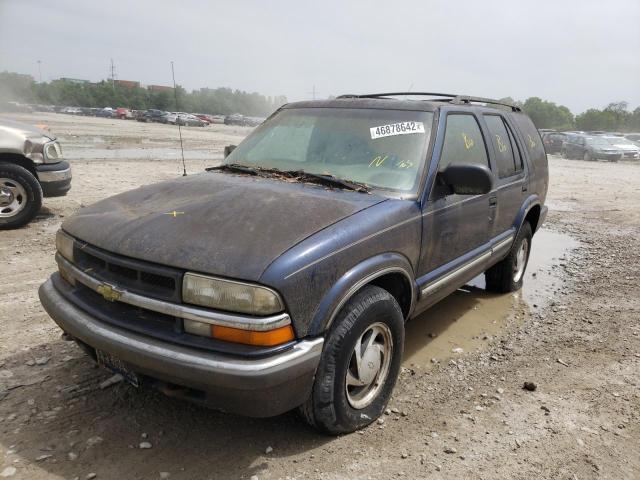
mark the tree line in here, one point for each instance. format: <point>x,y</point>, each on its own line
<point>615,117</point>
<point>222,101</point>
<point>225,101</point>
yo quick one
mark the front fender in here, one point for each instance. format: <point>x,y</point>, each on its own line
<point>353,280</point>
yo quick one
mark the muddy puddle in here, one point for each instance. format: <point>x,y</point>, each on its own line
<point>469,317</point>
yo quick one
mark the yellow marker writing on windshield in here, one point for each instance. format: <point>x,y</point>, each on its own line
<point>378,161</point>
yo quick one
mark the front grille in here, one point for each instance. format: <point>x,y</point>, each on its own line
<point>152,324</point>
<point>136,276</point>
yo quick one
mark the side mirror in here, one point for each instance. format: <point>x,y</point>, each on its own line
<point>228,149</point>
<point>467,179</point>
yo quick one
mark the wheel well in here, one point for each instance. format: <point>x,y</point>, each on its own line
<point>532,217</point>
<point>399,286</point>
<point>21,160</point>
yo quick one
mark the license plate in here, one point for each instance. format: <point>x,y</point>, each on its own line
<point>116,365</point>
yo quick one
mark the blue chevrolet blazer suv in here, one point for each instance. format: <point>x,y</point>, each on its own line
<point>284,277</point>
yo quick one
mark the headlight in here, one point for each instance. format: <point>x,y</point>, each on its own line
<point>228,295</point>
<point>64,245</point>
<point>52,152</point>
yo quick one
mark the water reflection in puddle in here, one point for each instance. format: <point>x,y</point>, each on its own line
<point>470,316</point>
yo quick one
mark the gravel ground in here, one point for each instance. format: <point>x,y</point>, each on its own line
<point>464,414</point>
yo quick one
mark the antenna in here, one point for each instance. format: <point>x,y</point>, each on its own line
<point>175,92</point>
<point>113,76</point>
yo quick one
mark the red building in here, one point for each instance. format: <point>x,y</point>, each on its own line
<point>127,83</point>
<point>159,88</point>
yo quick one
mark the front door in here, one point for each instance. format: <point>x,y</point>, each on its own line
<point>454,225</point>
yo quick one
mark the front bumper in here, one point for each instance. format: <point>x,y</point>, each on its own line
<point>260,387</point>
<point>611,157</point>
<point>54,178</point>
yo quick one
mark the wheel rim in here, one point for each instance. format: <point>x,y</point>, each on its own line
<point>369,365</point>
<point>521,261</point>
<point>13,198</point>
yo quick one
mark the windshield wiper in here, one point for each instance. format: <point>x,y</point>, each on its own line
<point>294,175</point>
<point>328,180</point>
<point>234,167</point>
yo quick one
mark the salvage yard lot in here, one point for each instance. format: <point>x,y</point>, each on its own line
<point>454,414</point>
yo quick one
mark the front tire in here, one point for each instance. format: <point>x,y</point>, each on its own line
<point>587,157</point>
<point>359,365</point>
<point>20,196</point>
<point>508,274</point>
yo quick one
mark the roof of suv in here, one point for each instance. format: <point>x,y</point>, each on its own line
<point>389,101</point>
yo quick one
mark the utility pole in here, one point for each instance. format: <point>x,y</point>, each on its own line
<point>313,92</point>
<point>40,70</point>
<point>113,76</point>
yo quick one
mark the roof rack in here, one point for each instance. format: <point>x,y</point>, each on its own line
<point>451,98</point>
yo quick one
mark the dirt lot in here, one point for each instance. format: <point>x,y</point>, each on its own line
<point>574,331</point>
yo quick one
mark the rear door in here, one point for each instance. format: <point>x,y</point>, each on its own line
<point>511,182</point>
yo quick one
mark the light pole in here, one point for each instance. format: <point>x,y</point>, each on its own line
<point>40,70</point>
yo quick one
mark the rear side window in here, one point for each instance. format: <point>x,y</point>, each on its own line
<point>503,146</point>
<point>531,137</point>
<point>463,142</point>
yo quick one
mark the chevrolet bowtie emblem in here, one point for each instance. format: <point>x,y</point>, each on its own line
<point>109,292</point>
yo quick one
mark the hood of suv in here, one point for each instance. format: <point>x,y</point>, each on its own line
<point>217,223</point>
<point>22,130</point>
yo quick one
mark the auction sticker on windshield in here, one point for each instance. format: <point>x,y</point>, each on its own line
<point>400,128</point>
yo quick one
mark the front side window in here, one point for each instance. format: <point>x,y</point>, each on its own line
<point>463,142</point>
<point>384,149</point>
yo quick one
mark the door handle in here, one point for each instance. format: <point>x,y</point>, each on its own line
<point>493,201</point>
<point>525,188</point>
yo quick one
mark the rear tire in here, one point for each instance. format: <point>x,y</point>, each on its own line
<point>508,274</point>
<point>20,196</point>
<point>359,365</point>
<point>587,157</point>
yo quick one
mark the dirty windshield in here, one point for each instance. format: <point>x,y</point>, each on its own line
<point>383,149</point>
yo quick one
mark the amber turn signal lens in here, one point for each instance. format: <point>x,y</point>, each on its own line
<point>268,338</point>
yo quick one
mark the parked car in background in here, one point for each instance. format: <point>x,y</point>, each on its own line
<point>168,117</point>
<point>72,110</point>
<point>586,147</point>
<point>634,137</point>
<point>216,119</point>
<point>151,115</point>
<point>553,141</point>
<point>204,117</point>
<point>106,112</point>
<point>31,167</point>
<point>630,150</point>
<point>288,276</point>
<point>254,121</point>
<point>188,120</point>
<point>235,119</point>
<point>124,113</point>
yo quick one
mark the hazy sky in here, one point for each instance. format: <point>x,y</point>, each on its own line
<point>581,53</point>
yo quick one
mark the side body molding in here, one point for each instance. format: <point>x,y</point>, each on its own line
<point>353,280</point>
